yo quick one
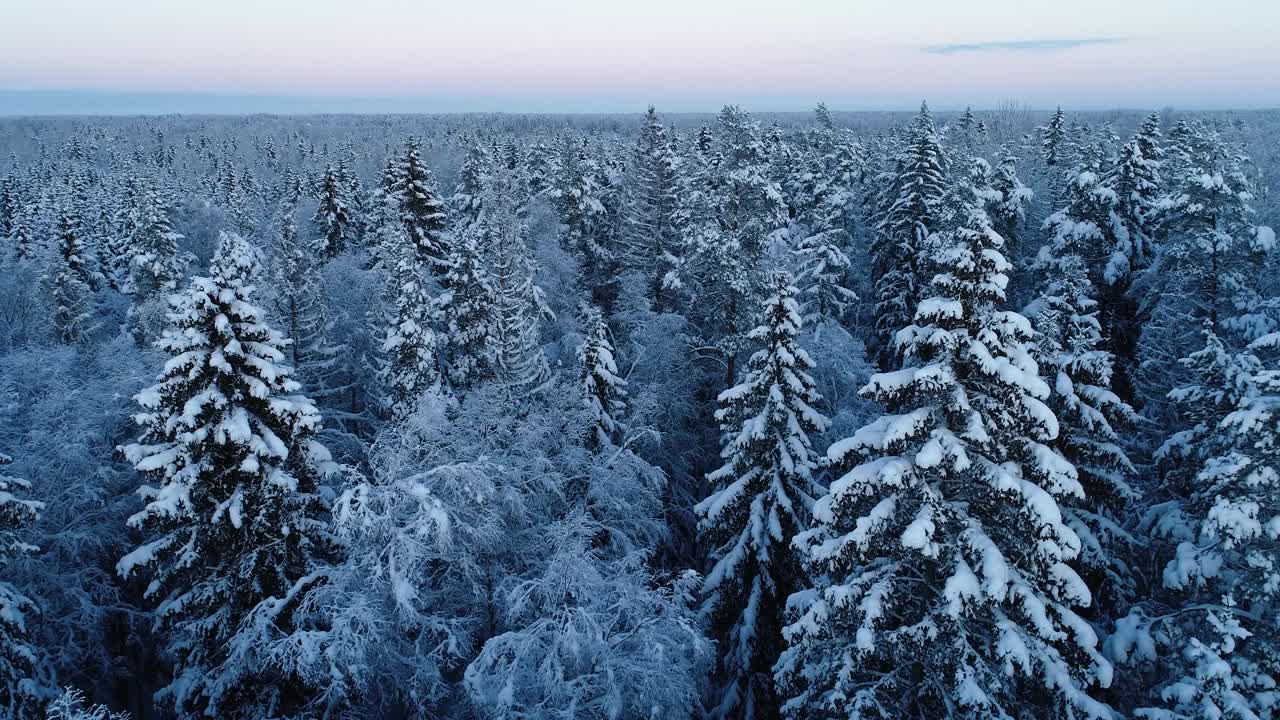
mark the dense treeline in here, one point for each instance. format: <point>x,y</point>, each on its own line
<point>839,416</point>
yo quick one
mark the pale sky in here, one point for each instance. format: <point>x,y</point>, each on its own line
<point>610,56</point>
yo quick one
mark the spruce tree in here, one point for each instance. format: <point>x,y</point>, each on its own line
<point>467,200</point>
<point>1007,206</point>
<point>409,365</point>
<point>650,237</point>
<point>332,219</point>
<point>156,266</point>
<point>234,524</point>
<point>1074,356</point>
<point>468,311</point>
<point>1211,627</point>
<point>298,302</point>
<point>899,269</point>
<point>941,555</point>
<point>603,391</point>
<point>579,190</point>
<point>23,681</point>
<point>421,209</point>
<point>762,497</point>
<point>1053,138</point>
<point>519,363</point>
<point>64,284</point>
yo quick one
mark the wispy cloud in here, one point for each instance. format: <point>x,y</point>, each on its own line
<point>1023,45</point>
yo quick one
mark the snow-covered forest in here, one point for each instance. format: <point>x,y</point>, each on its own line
<point>888,416</point>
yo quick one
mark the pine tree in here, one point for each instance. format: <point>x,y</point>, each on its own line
<point>65,286</point>
<point>1053,138</point>
<point>332,218</point>
<point>604,392</point>
<point>944,588</point>
<point>409,363</point>
<point>650,237</point>
<point>763,495</point>
<point>236,534</point>
<point>23,681</point>
<point>898,251</point>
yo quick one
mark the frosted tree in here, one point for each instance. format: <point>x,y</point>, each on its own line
<point>1211,629</point>
<point>332,219</point>
<point>824,274</point>
<point>899,261</point>
<point>727,217</point>
<point>156,266</point>
<point>420,207</point>
<point>603,391</point>
<point>650,238</point>
<point>1053,138</point>
<point>763,495</point>
<point>468,312</point>
<point>298,303</point>
<point>942,558</point>
<point>1074,356</point>
<point>409,364</point>
<point>235,523</point>
<point>468,199</point>
<point>514,335</point>
<point>1007,205</point>
<point>68,293</point>
<point>24,685</point>
<point>579,190</point>
<point>10,203</point>
<point>1206,267</point>
<point>1137,182</point>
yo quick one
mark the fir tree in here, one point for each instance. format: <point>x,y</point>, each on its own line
<point>603,390</point>
<point>1007,206</point>
<point>763,495</point>
<point>236,534</point>
<point>944,587</point>
<point>467,200</point>
<point>579,192</point>
<point>332,218</point>
<point>899,272</point>
<point>23,680</point>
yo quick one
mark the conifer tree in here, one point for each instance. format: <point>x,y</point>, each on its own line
<point>1007,206</point>
<point>23,681</point>
<point>579,191</point>
<point>603,390</point>
<point>1053,138</point>
<point>1210,628</point>
<point>10,204</point>
<point>156,266</point>
<point>468,308</point>
<point>1074,357</point>
<point>298,301</point>
<point>332,219</point>
<point>944,586</point>
<point>65,286</point>
<point>420,208</point>
<point>650,237</point>
<point>409,364</point>
<point>467,200</point>
<point>899,269</point>
<point>517,350</point>
<point>235,528</point>
<point>763,495</point>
